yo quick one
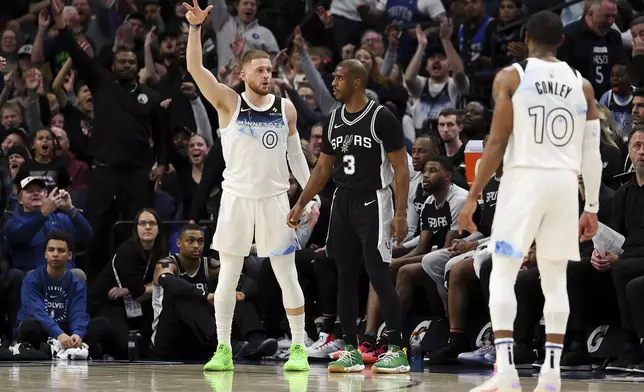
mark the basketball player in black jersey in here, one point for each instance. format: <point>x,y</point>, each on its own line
<point>362,149</point>
<point>184,321</point>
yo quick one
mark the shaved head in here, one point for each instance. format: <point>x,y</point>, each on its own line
<point>355,70</point>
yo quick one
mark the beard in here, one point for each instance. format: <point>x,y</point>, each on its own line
<point>258,89</point>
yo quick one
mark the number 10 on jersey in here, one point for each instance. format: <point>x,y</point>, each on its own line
<point>349,162</point>
<point>558,124</point>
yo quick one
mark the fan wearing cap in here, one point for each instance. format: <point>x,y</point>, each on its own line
<point>438,91</point>
<point>24,57</point>
<point>37,215</point>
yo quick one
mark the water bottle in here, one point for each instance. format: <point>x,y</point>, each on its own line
<point>133,345</point>
<point>416,352</point>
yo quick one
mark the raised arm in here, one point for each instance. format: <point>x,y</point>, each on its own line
<point>411,74</point>
<point>222,97</point>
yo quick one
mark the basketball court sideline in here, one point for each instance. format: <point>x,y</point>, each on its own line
<point>263,377</point>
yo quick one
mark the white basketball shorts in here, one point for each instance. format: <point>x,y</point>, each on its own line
<point>240,219</point>
<point>537,205</point>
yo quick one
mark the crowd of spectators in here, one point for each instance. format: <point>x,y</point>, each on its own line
<point>101,122</point>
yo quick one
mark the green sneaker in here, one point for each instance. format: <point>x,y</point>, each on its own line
<point>221,361</point>
<point>393,361</point>
<point>298,360</point>
<point>350,361</point>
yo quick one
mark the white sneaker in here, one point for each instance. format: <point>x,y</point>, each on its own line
<point>325,345</point>
<point>80,353</point>
<point>501,382</point>
<point>549,381</point>
<point>283,343</point>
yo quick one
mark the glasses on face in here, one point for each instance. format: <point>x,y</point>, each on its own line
<point>147,223</point>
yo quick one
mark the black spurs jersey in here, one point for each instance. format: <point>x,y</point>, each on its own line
<point>199,279</point>
<point>489,206</point>
<point>442,218</point>
<point>360,143</point>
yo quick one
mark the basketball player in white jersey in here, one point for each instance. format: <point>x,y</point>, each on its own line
<point>257,135</point>
<point>546,129</point>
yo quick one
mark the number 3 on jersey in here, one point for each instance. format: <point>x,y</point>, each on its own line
<point>558,124</point>
<point>349,164</point>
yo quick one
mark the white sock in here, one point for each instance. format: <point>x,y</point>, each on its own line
<point>504,354</point>
<point>297,328</point>
<point>225,299</point>
<point>553,357</point>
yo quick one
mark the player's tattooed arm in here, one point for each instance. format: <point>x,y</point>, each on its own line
<point>163,266</point>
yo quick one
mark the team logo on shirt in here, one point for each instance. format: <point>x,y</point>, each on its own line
<point>269,139</point>
<point>142,98</point>
<point>347,143</point>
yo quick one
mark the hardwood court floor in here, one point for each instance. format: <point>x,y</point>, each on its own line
<point>97,377</point>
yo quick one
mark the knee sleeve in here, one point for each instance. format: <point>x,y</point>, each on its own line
<point>229,272</point>
<point>503,301</point>
<point>286,274</point>
<point>553,283</point>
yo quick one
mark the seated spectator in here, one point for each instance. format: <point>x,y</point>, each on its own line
<point>628,220</point>
<point>38,215</point>
<point>122,292</point>
<point>54,301</point>
<point>474,125</point>
<point>610,149</point>
<point>45,164</point>
<point>509,42</point>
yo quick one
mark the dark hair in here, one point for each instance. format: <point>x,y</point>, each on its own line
<point>639,92</point>
<point>445,163</point>
<point>122,49</point>
<point>545,28</point>
<point>355,70</point>
<point>188,227</point>
<point>638,126</point>
<point>637,20</point>
<point>60,235</point>
<point>452,112</point>
<point>432,139</point>
<point>159,249</point>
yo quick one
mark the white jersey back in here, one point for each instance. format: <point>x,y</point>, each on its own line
<point>549,109</point>
<point>254,148</point>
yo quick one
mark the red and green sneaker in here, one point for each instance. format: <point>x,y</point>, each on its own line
<point>393,361</point>
<point>371,351</point>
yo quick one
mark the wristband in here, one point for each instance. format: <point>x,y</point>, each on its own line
<point>195,26</point>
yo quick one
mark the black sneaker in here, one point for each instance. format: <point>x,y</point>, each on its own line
<point>26,352</point>
<point>524,356</point>
<point>621,364</point>
<point>240,349</point>
<point>446,355</point>
<point>576,360</point>
<point>261,348</point>
<point>5,353</point>
<point>638,368</point>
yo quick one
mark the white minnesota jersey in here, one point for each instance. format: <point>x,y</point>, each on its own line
<point>254,148</point>
<point>549,109</point>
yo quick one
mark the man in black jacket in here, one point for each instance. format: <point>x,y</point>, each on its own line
<point>592,46</point>
<point>127,140</point>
